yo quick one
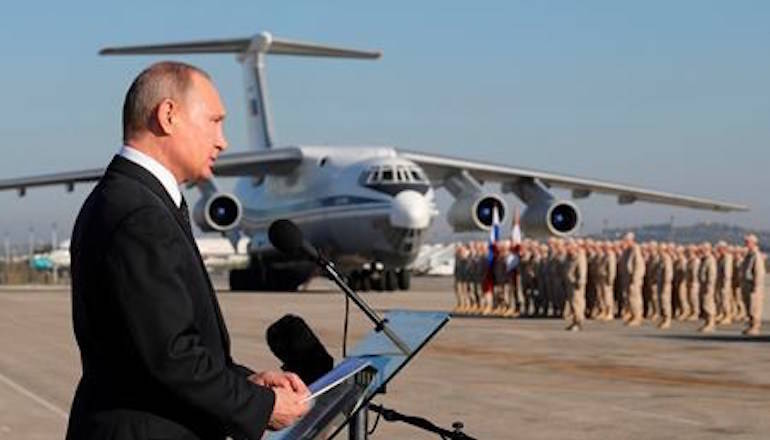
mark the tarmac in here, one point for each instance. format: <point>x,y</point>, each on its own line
<point>503,378</point>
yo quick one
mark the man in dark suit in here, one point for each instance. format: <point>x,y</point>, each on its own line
<point>154,347</point>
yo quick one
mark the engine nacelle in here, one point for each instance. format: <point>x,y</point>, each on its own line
<point>221,212</point>
<point>474,212</point>
<point>552,217</point>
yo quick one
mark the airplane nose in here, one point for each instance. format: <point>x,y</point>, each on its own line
<point>410,210</point>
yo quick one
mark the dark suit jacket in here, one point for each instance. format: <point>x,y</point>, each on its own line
<point>154,348</point>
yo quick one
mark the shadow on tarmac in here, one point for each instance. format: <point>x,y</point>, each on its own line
<point>714,338</point>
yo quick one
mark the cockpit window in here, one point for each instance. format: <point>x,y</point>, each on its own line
<point>374,175</point>
<point>394,174</point>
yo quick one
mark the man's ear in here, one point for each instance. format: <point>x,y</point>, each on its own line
<point>167,115</point>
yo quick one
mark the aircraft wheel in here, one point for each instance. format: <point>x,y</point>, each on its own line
<point>378,283</point>
<point>404,279</point>
<point>355,280</point>
<point>239,279</point>
<point>391,283</point>
<point>366,282</point>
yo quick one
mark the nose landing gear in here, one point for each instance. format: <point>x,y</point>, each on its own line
<point>380,280</point>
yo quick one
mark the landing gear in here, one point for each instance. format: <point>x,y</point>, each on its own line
<point>378,281</point>
<point>384,280</point>
<point>240,279</point>
<point>270,276</point>
<point>404,279</point>
<point>366,282</point>
<point>360,281</point>
<point>391,283</point>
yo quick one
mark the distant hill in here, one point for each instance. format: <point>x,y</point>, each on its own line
<point>697,233</point>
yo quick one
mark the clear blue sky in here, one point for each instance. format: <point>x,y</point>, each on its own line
<point>669,95</point>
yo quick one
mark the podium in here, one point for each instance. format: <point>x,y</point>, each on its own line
<point>370,365</point>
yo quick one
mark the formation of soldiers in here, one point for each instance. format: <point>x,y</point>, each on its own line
<point>604,280</point>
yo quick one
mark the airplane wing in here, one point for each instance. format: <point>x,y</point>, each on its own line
<point>440,168</point>
<point>69,179</point>
<point>256,163</point>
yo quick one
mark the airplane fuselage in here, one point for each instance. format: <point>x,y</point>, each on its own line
<point>358,205</point>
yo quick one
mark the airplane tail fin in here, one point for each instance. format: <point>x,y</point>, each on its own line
<point>250,53</point>
<point>271,45</point>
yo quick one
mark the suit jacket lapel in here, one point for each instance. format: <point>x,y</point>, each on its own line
<point>124,166</point>
<point>128,168</point>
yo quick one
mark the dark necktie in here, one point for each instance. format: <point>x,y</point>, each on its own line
<point>185,215</point>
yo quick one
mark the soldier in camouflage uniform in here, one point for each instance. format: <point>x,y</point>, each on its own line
<point>651,266</point>
<point>680,284</point>
<point>576,274</point>
<point>693,283</point>
<point>478,270</point>
<point>633,269</point>
<point>460,275</point>
<point>665,277</point>
<point>739,307</point>
<point>724,292</point>
<point>544,303</point>
<point>593,300</point>
<point>753,284</point>
<point>707,275</point>
<point>606,271</point>
<point>527,269</point>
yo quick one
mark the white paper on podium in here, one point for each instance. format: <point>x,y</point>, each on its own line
<point>344,370</point>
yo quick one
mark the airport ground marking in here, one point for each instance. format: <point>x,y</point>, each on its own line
<point>31,395</point>
<point>650,414</point>
<point>657,415</point>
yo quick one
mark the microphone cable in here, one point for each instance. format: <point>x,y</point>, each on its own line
<point>345,328</point>
<point>376,422</point>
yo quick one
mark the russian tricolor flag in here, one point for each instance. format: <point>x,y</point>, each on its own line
<point>516,235</point>
<point>494,236</point>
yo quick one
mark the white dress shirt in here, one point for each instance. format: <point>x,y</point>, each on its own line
<point>156,169</point>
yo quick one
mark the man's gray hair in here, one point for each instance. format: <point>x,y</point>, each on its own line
<point>163,80</point>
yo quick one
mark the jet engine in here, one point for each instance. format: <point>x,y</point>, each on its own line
<point>550,217</point>
<point>474,212</point>
<point>220,212</point>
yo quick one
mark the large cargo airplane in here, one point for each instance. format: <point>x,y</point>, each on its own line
<point>366,207</point>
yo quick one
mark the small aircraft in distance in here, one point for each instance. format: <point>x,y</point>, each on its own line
<point>366,207</point>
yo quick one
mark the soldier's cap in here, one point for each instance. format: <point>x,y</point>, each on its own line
<point>721,244</point>
<point>628,236</point>
<point>751,238</point>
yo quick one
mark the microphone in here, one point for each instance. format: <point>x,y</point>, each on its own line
<point>295,344</point>
<point>285,236</point>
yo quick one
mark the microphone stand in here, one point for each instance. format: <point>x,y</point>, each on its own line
<point>390,415</point>
<point>380,324</point>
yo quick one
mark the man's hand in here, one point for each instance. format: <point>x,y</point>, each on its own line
<point>289,407</point>
<point>280,379</point>
<point>289,391</point>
